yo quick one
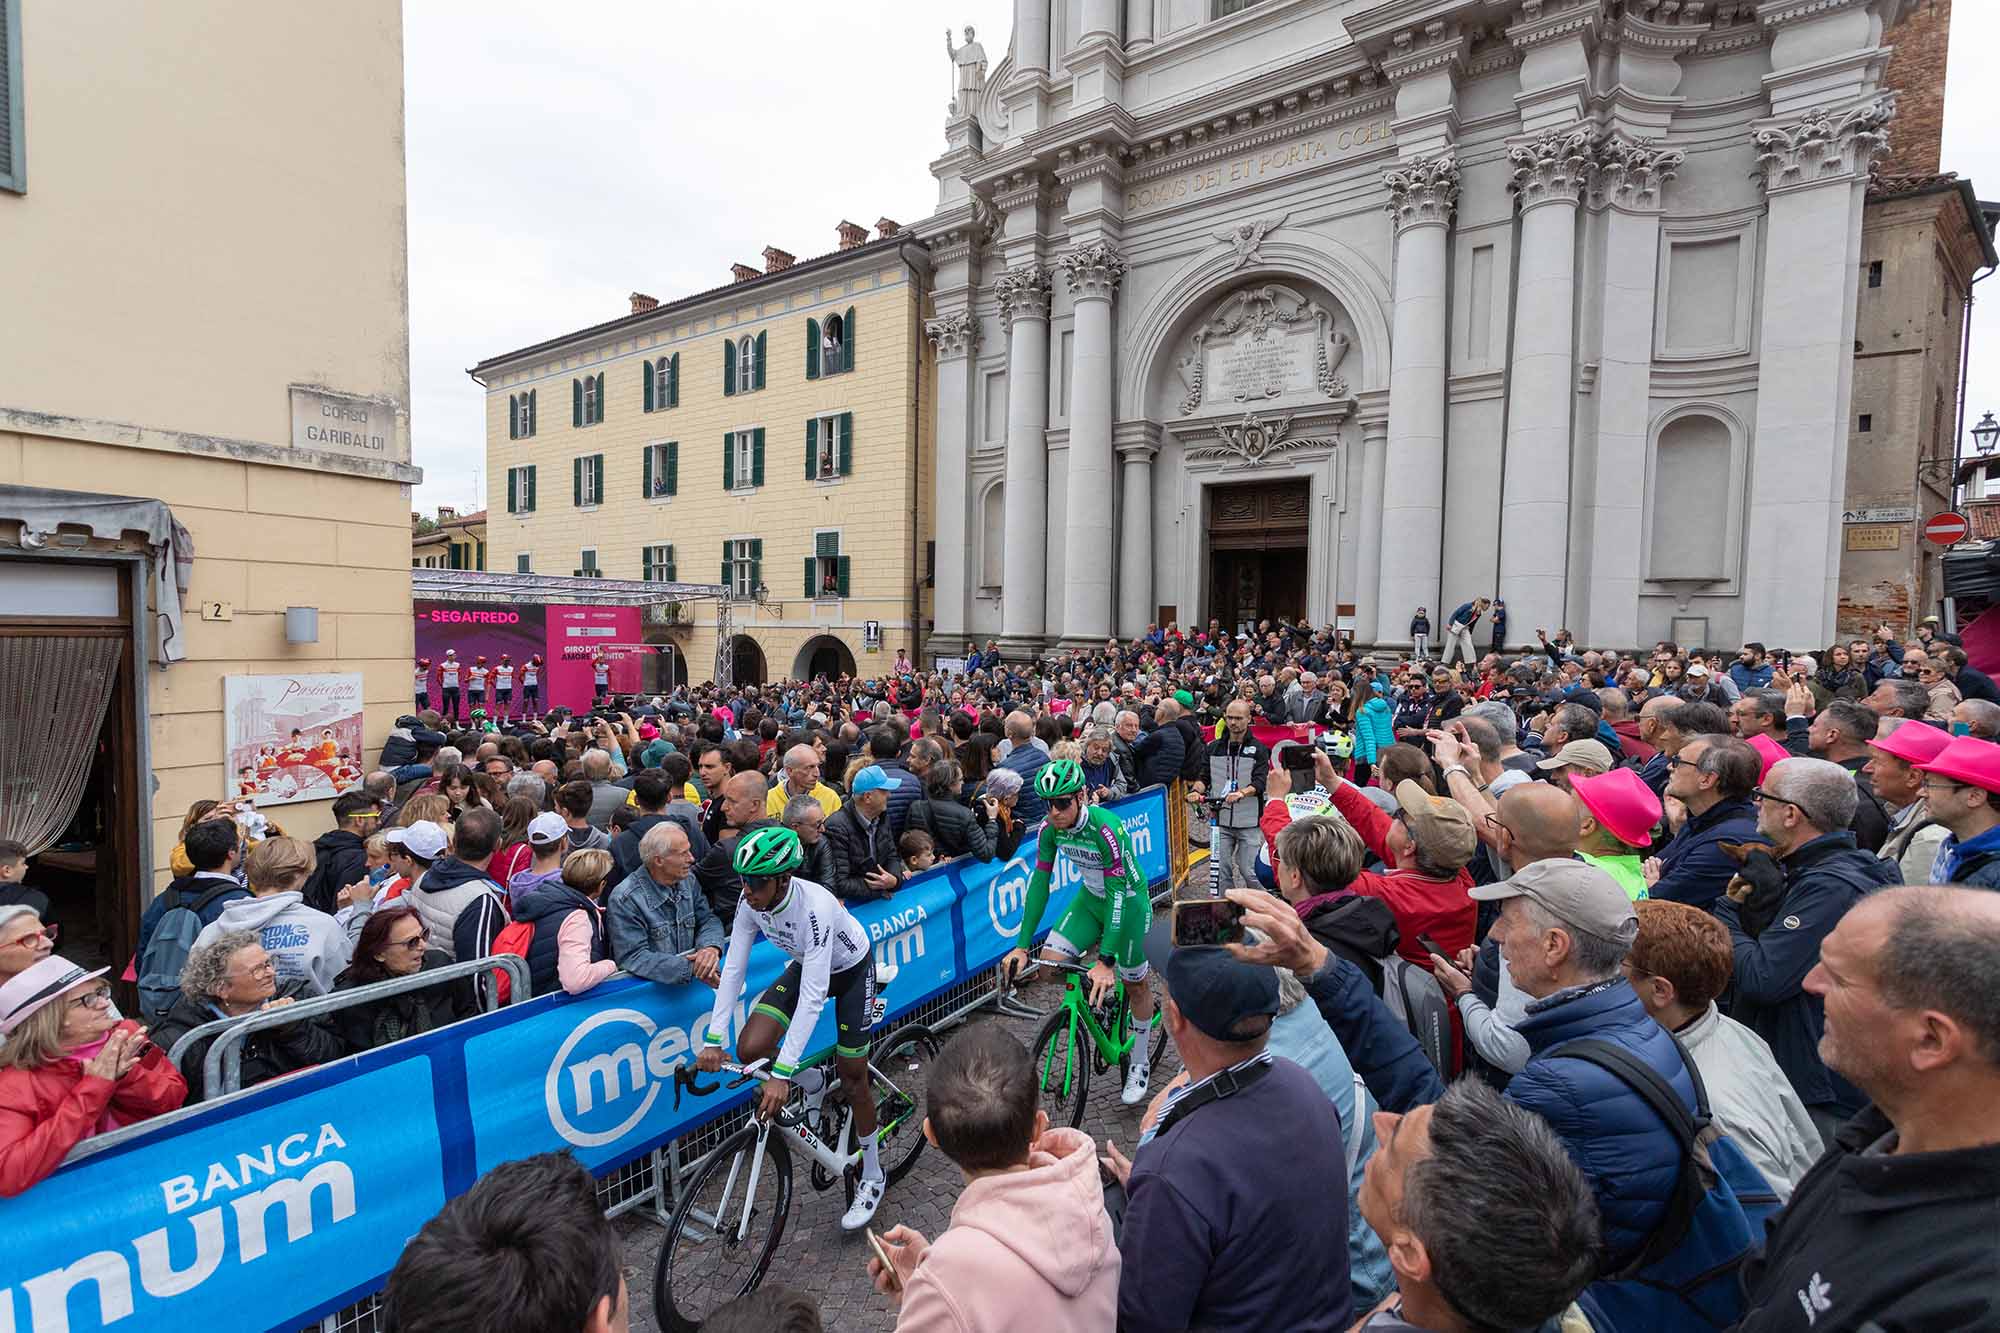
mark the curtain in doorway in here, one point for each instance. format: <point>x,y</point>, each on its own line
<point>56,688</point>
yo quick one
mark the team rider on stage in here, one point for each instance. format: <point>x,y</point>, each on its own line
<point>1112,912</point>
<point>830,955</point>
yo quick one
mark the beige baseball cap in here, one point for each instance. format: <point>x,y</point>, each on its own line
<point>1575,893</point>
<point>1440,825</point>
<point>1579,754</point>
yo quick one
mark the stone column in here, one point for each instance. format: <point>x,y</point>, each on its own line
<point>1815,173</point>
<point>954,337</point>
<point>1031,35</point>
<point>1138,24</point>
<point>1551,172</point>
<point>1422,195</point>
<point>1137,446</point>
<point>1368,618</point>
<point>1092,271</point>
<point>1023,294</point>
<point>1631,179</point>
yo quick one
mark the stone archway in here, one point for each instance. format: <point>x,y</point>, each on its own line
<point>823,655</point>
<point>747,658</point>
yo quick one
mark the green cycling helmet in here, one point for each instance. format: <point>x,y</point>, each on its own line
<point>1061,777</point>
<point>766,852</point>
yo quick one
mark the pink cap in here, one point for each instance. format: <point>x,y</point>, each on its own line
<point>1622,802</point>
<point>1966,759</point>
<point>1769,752</point>
<point>1913,742</point>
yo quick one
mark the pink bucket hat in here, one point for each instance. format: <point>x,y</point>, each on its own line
<point>1622,802</point>
<point>1915,743</point>
<point>1769,752</point>
<point>1966,759</point>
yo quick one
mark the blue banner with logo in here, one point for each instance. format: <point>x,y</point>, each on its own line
<point>295,1198</point>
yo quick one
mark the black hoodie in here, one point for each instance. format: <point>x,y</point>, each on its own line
<point>1358,928</point>
<point>342,860</point>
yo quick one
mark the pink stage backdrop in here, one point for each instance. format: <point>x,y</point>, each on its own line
<point>565,636</point>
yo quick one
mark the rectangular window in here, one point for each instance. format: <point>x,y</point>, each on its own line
<point>524,564</point>
<point>660,476</point>
<point>586,400</point>
<point>656,564</point>
<point>662,376</point>
<point>13,148</point>
<point>521,415</point>
<point>829,446</point>
<point>1867,423</point>
<point>827,565</point>
<point>1875,273</point>
<point>742,559</point>
<point>743,459</point>
<point>521,489</point>
<point>593,411</point>
<point>587,480</point>
<point>586,564</point>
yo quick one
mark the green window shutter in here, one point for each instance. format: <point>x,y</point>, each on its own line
<point>528,424</point>
<point>729,461</point>
<point>673,467</point>
<point>513,492</point>
<point>757,453</point>
<point>760,360</point>
<point>576,402</point>
<point>531,488</point>
<point>646,374</point>
<point>597,476</point>
<point>756,562</point>
<point>646,563</point>
<point>670,564</point>
<point>728,367</point>
<point>646,472</point>
<point>812,447</point>
<point>812,349</point>
<point>846,443</point>
<point>727,581</point>
<point>576,481</point>
<point>513,417</point>
<point>811,590</point>
<point>674,380</point>
<point>847,347</point>
<point>841,565</point>
<point>600,396</point>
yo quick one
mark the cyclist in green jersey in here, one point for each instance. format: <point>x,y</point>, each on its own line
<point>1112,912</point>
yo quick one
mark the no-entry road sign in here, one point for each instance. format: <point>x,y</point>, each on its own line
<point>1946,528</point>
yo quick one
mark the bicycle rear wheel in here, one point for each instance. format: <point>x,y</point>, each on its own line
<point>1062,1068</point>
<point>704,1263</point>
<point>899,1074</point>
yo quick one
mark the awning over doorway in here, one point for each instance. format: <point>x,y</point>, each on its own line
<point>44,514</point>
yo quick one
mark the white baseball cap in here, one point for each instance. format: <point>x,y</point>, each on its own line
<point>425,839</point>
<point>546,828</point>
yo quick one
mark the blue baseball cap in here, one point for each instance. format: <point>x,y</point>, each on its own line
<point>872,778</point>
<point>1212,987</point>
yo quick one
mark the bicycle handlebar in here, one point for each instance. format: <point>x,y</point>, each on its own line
<point>685,1076</point>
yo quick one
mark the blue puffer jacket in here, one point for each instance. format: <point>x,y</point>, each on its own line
<point>1623,1149</point>
<point>1373,730</point>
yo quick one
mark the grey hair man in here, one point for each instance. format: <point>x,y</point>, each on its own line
<point>661,925</point>
<point>530,786</point>
<point>1979,717</point>
<point>1898,698</point>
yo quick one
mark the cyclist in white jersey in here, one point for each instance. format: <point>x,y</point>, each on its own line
<point>830,955</point>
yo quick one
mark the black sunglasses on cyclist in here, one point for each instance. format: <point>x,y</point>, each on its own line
<point>1061,802</point>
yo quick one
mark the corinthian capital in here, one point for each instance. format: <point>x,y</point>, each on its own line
<point>1824,145</point>
<point>953,335</point>
<point>1093,270</point>
<point>1423,191</point>
<point>1556,165</point>
<point>1023,293</point>
<point>1633,174</point>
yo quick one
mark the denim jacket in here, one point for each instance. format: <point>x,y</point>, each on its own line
<point>652,926</point>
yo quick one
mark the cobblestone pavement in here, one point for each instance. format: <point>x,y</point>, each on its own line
<point>817,1257</point>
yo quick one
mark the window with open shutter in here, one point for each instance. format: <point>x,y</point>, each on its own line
<point>597,478</point>
<point>646,376</point>
<point>673,364</point>
<point>846,443</point>
<point>646,471</point>
<point>812,448</point>
<point>513,416</point>
<point>530,505</point>
<point>756,564</point>
<point>673,467</point>
<point>13,152</point>
<point>729,461</point>
<point>513,491</point>
<point>760,360</point>
<point>576,482</point>
<point>757,457</point>
<point>812,349</point>
<point>576,402</point>
<point>847,341</point>
<point>728,565</point>
<point>843,575</point>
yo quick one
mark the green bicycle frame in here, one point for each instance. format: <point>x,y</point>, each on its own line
<point>1112,1046</point>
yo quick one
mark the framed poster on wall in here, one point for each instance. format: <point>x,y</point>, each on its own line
<point>292,738</point>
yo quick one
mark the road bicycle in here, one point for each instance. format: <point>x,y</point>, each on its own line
<point>1063,1064</point>
<point>730,1214</point>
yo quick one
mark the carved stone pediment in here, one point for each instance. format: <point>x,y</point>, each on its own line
<point>1261,347</point>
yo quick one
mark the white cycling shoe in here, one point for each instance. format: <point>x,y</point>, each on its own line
<point>1136,1085</point>
<point>867,1198</point>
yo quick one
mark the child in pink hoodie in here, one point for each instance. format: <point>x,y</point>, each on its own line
<point>1029,1249</point>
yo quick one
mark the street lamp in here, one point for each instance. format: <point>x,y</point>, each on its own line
<point>1986,434</point>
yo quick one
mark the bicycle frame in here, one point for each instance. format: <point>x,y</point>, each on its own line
<point>1112,1046</point>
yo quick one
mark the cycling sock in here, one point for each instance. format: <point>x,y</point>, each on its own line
<point>1141,1045</point>
<point>810,1081</point>
<point>871,1159</point>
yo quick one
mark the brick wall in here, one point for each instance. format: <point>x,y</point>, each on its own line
<point>1916,72</point>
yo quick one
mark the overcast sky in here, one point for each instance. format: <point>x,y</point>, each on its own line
<point>561,157</point>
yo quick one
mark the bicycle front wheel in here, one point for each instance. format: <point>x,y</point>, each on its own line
<point>727,1223</point>
<point>1062,1068</point>
<point>899,1074</point>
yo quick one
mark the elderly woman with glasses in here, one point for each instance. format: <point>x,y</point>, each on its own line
<point>1942,689</point>
<point>24,940</point>
<point>394,944</point>
<point>231,976</point>
<point>70,1068</point>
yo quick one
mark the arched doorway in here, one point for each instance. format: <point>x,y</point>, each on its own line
<point>823,655</point>
<point>747,660</point>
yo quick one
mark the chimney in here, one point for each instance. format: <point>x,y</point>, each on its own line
<point>743,272</point>
<point>415,517</point>
<point>776,260</point>
<point>851,235</point>
<point>641,303</point>
<point>886,227</point>
<point>446,513</point>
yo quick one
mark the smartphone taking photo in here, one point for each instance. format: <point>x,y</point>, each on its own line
<point>1199,921</point>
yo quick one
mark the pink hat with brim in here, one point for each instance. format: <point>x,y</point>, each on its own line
<point>38,986</point>
<point>1914,742</point>
<point>1966,759</point>
<point>1622,802</point>
<point>1769,752</point>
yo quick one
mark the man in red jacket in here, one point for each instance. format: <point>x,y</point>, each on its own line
<point>1426,844</point>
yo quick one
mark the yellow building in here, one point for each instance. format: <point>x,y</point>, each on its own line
<point>771,435</point>
<point>450,541</point>
<point>205,318</point>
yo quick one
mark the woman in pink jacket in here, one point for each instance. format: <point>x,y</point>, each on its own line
<point>1029,1249</point>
